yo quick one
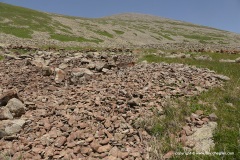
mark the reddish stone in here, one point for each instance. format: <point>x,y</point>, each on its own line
<point>205,120</point>
<point>105,148</point>
<point>95,145</point>
<point>60,141</point>
<point>105,141</point>
<point>85,150</point>
<point>199,112</point>
<point>168,155</point>
<point>82,125</point>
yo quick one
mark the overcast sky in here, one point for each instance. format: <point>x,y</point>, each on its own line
<point>221,14</point>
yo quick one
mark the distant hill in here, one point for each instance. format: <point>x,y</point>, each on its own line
<point>20,25</point>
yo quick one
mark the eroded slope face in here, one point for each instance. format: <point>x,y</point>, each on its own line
<point>82,105</point>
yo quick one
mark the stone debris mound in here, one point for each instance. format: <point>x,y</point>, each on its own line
<point>84,105</point>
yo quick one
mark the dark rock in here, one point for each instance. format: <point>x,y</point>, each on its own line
<point>7,96</point>
<point>134,102</point>
<point>47,71</point>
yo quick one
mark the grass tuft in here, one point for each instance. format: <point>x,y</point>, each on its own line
<point>21,22</point>
<point>1,57</point>
<point>104,33</point>
<point>118,32</point>
<point>67,38</point>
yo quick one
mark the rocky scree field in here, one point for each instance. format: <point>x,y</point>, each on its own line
<point>69,105</point>
<point>127,86</point>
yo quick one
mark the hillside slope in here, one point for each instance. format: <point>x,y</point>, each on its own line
<point>21,25</point>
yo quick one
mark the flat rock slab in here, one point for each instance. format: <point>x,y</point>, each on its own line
<point>203,137</point>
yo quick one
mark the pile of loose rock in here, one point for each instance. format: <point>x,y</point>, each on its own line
<point>183,55</point>
<point>85,105</point>
<point>11,109</point>
<point>51,48</point>
<point>195,47</point>
<point>194,56</point>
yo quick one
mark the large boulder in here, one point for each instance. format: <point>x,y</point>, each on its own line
<point>40,62</point>
<point>10,127</point>
<point>5,114</point>
<point>227,60</point>
<point>47,71</point>
<point>100,65</point>
<point>237,60</point>
<point>134,102</point>
<point>203,57</point>
<point>222,77</point>
<point>80,75</point>
<point>85,61</point>
<point>80,72</point>
<point>60,75</point>
<point>16,107</point>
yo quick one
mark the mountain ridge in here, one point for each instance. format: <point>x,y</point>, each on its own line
<point>26,26</point>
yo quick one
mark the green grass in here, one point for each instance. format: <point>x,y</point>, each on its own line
<point>201,38</point>
<point>167,36</point>
<point>104,33</point>
<point>144,27</point>
<point>170,32</point>
<point>118,32</point>
<point>223,42</point>
<point>19,51</point>
<point>135,27</point>
<point>67,38</point>
<point>227,135</point>
<point>158,38</point>
<point>1,57</point>
<point>65,31</point>
<point>139,30</point>
<point>164,34</point>
<point>119,22</point>
<point>18,32</point>
<point>216,56</point>
<point>22,21</point>
<point>102,21</point>
<point>193,25</point>
<point>75,48</point>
